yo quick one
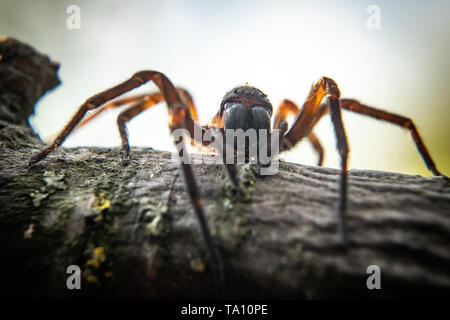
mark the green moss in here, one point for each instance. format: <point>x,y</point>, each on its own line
<point>157,221</point>
<point>230,222</point>
<point>42,199</point>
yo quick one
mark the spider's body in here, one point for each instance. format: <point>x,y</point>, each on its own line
<point>243,108</point>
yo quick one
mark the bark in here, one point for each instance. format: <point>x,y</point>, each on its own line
<point>133,232</point>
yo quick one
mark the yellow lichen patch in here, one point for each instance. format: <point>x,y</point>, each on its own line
<point>92,278</point>
<point>98,256</point>
<point>197,265</point>
<point>108,274</point>
<point>101,203</point>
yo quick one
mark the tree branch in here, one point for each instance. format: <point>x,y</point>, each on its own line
<point>133,232</point>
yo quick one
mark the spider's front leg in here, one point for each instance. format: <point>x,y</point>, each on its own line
<point>180,117</point>
<point>287,108</point>
<point>311,111</point>
<point>141,102</point>
<point>144,104</point>
<point>127,115</point>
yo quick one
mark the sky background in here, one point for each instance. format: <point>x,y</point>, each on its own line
<point>281,47</point>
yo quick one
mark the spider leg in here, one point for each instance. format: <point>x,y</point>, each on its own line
<point>95,113</point>
<point>318,147</point>
<point>99,99</point>
<point>342,145</point>
<point>230,168</point>
<point>286,108</point>
<point>232,174</point>
<point>216,121</point>
<point>110,105</point>
<point>145,103</point>
<point>311,111</point>
<point>407,123</point>
<point>185,96</point>
<point>179,118</point>
<point>187,100</point>
<point>130,113</point>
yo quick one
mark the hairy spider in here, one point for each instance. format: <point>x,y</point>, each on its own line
<point>243,107</point>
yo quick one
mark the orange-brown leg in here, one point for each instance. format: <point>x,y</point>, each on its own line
<point>98,100</point>
<point>318,147</point>
<point>216,121</point>
<point>356,106</point>
<point>311,111</point>
<point>139,107</point>
<point>130,113</point>
<point>112,105</point>
<point>179,118</point>
<point>187,100</point>
<point>144,102</point>
<point>289,108</point>
<point>185,96</point>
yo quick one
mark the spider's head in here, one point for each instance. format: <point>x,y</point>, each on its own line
<point>245,107</point>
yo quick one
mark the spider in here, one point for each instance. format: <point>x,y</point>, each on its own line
<point>243,107</point>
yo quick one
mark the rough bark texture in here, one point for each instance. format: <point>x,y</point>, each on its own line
<point>133,232</point>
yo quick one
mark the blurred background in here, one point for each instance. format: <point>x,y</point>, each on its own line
<point>281,47</point>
